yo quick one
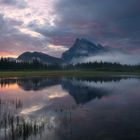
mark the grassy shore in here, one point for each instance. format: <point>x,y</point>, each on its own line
<point>78,73</point>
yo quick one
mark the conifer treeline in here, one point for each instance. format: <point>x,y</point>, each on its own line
<point>7,64</point>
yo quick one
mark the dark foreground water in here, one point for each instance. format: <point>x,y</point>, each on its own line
<point>70,108</point>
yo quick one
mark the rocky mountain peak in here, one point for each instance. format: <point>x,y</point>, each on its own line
<point>82,48</point>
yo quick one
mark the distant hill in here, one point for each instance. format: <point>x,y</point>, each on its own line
<point>81,51</point>
<point>82,48</point>
<point>42,57</point>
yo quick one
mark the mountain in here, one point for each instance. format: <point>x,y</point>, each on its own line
<point>42,57</point>
<point>85,93</point>
<point>82,48</point>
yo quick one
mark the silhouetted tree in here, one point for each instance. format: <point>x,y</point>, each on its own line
<point>7,64</point>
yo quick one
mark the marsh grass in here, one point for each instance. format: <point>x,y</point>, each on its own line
<point>13,126</point>
<point>70,73</point>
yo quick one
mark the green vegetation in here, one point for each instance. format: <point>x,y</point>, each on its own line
<point>4,74</point>
<point>35,68</point>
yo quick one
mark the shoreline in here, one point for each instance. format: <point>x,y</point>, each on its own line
<point>71,73</point>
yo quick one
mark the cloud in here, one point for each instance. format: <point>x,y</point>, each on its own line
<point>113,22</point>
<point>38,23</point>
<point>15,39</point>
<point>15,34</point>
<point>55,49</point>
<point>118,57</point>
<point>16,3</point>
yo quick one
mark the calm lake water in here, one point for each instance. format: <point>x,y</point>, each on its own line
<point>98,108</point>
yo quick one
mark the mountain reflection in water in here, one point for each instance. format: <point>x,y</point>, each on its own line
<point>70,108</point>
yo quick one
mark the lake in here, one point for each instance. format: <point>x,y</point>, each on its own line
<point>88,108</point>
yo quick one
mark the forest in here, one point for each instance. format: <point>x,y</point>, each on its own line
<point>7,64</point>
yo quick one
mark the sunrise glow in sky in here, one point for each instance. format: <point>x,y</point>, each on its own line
<point>51,26</point>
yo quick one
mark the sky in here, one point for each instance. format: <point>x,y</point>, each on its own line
<point>51,26</point>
